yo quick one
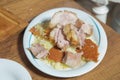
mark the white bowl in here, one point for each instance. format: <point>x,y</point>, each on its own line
<point>11,70</point>
<point>98,35</point>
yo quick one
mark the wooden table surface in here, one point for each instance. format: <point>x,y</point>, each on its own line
<point>108,69</point>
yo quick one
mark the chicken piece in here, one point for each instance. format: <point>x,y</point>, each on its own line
<point>38,51</point>
<point>63,18</point>
<point>87,29</point>
<point>72,60</point>
<point>56,55</point>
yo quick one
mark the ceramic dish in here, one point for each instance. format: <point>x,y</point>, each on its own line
<point>98,35</point>
<point>11,70</point>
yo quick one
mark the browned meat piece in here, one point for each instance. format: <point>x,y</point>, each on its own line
<point>38,51</point>
<point>63,18</point>
<point>72,60</point>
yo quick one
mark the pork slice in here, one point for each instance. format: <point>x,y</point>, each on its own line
<point>70,34</point>
<point>79,23</point>
<point>63,18</point>
<point>38,51</point>
<point>61,41</point>
<point>72,60</point>
<point>54,33</point>
<point>57,35</point>
<point>81,36</point>
<point>87,29</point>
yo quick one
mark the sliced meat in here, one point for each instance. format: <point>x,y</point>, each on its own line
<point>87,29</point>
<point>61,41</point>
<point>57,35</point>
<point>38,51</point>
<point>54,34</point>
<point>63,18</point>
<point>70,34</point>
<point>78,23</point>
<point>55,54</point>
<point>72,60</point>
<point>81,35</point>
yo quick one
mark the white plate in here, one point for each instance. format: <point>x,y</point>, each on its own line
<point>11,70</point>
<point>98,35</point>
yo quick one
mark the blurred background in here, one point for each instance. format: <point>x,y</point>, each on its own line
<point>111,10</point>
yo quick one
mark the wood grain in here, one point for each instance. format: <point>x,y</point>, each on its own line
<point>9,25</point>
<point>108,69</point>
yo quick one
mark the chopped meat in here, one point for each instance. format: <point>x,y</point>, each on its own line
<point>56,55</point>
<point>63,18</point>
<point>81,35</point>
<point>87,29</point>
<point>38,51</point>
<point>57,35</point>
<point>70,34</point>
<point>54,34</point>
<point>72,60</point>
<point>90,50</point>
<point>78,23</point>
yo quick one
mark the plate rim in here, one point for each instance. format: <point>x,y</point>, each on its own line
<point>67,8</point>
<point>8,61</point>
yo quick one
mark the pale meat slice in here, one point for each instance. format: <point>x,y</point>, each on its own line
<point>87,29</point>
<point>61,41</point>
<point>81,36</point>
<point>57,35</point>
<point>74,35</point>
<point>72,60</point>
<point>79,23</point>
<point>63,18</point>
<point>54,34</point>
<point>38,51</point>
<point>70,34</point>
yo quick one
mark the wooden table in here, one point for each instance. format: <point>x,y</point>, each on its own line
<point>12,47</point>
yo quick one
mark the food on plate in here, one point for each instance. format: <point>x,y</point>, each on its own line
<point>56,54</point>
<point>64,41</point>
